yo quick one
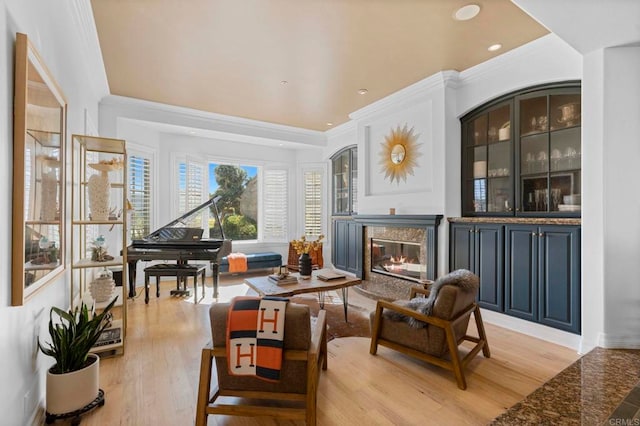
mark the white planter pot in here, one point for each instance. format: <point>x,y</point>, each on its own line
<point>72,391</point>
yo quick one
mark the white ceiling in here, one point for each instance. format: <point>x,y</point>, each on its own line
<point>230,56</point>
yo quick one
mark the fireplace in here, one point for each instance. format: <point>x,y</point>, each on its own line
<point>401,259</point>
<point>412,241</point>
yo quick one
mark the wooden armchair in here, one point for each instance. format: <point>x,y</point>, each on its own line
<point>446,329</point>
<point>293,397</point>
<point>317,261</point>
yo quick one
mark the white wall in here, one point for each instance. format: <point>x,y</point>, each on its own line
<point>57,30</point>
<point>619,120</point>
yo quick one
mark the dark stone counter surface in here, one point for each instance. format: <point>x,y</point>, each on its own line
<point>519,220</point>
<point>588,392</point>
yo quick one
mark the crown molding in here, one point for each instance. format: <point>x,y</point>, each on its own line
<point>342,129</point>
<point>82,16</point>
<point>149,111</point>
<point>410,94</point>
<point>524,53</point>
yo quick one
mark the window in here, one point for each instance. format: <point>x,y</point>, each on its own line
<point>254,202</point>
<point>139,181</point>
<point>275,205</point>
<point>312,203</point>
<point>238,207</point>
<point>190,190</point>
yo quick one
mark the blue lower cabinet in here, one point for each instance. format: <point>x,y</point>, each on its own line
<point>542,274</point>
<point>559,277</point>
<point>521,272</point>
<point>347,249</point>
<point>479,248</point>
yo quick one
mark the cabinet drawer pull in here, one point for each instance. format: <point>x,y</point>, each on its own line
<point>533,234</point>
<point>541,234</point>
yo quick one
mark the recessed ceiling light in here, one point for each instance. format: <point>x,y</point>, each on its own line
<point>362,91</point>
<point>283,82</point>
<point>467,12</point>
<point>329,123</point>
<point>494,47</point>
<point>192,132</point>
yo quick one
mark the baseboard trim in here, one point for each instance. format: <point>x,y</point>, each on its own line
<point>569,340</point>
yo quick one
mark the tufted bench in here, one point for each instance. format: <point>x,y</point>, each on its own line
<point>256,261</point>
<point>181,271</point>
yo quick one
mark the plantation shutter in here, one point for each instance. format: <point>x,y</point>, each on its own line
<point>139,181</point>
<point>312,203</point>
<point>275,205</point>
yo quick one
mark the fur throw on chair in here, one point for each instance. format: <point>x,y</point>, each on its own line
<point>466,280</point>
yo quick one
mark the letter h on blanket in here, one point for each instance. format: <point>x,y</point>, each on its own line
<point>255,336</point>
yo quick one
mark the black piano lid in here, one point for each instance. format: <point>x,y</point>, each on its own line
<point>175,231</point>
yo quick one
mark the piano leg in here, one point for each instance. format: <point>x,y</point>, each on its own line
<point>214,273</point>
<point>132,278</point>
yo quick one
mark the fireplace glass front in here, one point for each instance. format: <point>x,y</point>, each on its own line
<point>397,258</point>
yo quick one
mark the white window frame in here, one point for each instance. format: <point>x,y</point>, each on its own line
<point>324,201</point>
<point>284,235</point>
<point>134,149</point>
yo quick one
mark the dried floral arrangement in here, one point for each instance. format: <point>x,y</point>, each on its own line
<point>303,246</point>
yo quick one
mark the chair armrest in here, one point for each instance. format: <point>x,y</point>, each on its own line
<point>416,290</point>
<point>438,322</point>
<point>318,332</point>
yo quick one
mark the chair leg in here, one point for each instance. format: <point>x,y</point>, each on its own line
<point>375,333</point>
<point>204,388</point>
<point>455,357</point>
<point>481,333</point>
<point>157,286</point>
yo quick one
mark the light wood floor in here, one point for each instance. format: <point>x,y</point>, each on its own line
<point>155,382</point>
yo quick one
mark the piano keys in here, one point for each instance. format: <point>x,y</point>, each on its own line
<point>179,242</point>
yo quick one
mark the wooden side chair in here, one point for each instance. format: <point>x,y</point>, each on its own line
<point>437,342</point>
<point>293,397</point>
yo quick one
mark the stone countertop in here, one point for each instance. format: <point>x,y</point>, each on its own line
<point>585,393</point>
<point>519,220</point>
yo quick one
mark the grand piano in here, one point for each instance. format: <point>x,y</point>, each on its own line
<point>179,242</point>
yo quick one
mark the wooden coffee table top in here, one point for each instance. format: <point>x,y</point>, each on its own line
<point>265,287</point>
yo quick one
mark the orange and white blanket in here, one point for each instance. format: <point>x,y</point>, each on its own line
<point>237,262</point>
<point>255,336</point>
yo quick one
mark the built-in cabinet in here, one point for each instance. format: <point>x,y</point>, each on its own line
<point>521,183</point>
<point>479,248</point>
<point>529,271</point>
<point>346,253</point>
<point>347,249</point>
<point>542,274</point>
<point>345,181</point>
<point>521,154</point>
<point>99,232</point>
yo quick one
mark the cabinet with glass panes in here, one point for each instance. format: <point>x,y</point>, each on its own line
<point>345,181</point>
<point>521,154</point>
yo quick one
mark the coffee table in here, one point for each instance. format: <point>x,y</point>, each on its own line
<point>265,287</point>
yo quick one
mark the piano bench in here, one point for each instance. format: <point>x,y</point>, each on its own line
<point>181,271</point>
<point>263,260</point>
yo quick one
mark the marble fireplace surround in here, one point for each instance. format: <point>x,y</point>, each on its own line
<point>421,229</point>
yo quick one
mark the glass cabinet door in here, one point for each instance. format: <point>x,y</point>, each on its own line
<point>550,153</point>
<point>488,171</point>
<point>345,179</point>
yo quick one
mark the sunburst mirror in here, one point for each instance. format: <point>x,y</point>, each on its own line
<point>399,153</point>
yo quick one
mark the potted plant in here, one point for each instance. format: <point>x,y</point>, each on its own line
<point>72,382</point>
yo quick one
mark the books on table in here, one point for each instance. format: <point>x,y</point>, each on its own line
<point>283,279</point>
<point>328,275</point>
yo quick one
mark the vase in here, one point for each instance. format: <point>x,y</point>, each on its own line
<point>98,188</point>
<point>304,265</point>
